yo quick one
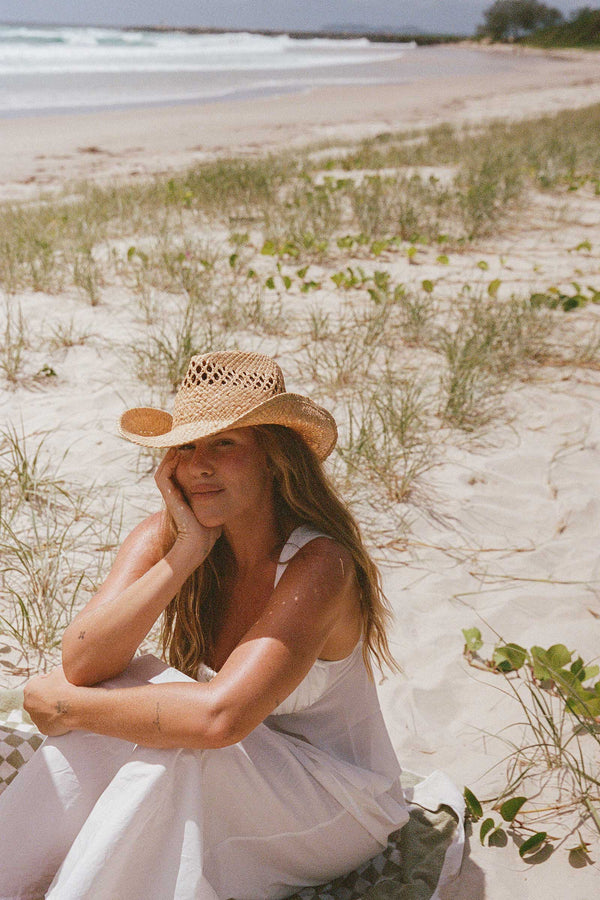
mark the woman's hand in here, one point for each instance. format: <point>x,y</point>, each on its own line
<point>197,539</point>
<point>48,700</point>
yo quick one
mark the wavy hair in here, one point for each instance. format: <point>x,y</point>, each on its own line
<point>302,495</point>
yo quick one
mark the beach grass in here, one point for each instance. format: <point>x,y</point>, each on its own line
<point>316,257</point>
<point>54,541</point>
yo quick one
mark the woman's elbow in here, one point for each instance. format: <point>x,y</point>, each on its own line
<point>84,672</point>
<point>224,728</point>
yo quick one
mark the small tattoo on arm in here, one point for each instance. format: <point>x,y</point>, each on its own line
<point>61,707</point>
<point>81,635</point>
<point>156,721</point>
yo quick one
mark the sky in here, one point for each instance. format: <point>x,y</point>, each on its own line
<point>450,16</point>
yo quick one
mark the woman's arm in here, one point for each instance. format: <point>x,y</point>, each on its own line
<point>315,603</point>
<point>102,639</point>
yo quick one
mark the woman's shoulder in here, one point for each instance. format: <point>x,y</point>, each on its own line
<point>311,548</point>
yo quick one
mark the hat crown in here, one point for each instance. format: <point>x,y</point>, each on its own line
<point>224,385</point>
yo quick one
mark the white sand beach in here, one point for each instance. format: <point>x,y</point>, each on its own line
<point>502,530</point>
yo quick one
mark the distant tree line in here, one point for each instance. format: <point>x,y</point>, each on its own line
<point>510,19</point>
<point>514,20</point>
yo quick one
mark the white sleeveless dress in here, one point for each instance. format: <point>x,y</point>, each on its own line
<point>308,795</point>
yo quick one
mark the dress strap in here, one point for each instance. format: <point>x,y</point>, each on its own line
<point>298,538</point>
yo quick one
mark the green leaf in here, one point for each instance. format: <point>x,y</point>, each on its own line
<point>427,286</point>
<point>270,283</point>
<point>539,300</point>
<point>473,641</point>
<point>509,810</point>
<point>483,265</point>
<point>46,372</point>
<point>584,245</point>
<point>486,826</point>
<point>587,706</point>
<point>131,252</point>
<point>302,272</point>
<point>493,287</point>
<point>498,837</point>
<point>558,655</point>
<point>589,672</point>
<point>233,259</point>
<point>539,658</point>
<point>576,668</point>
<point>579,857</point>
<point>381,279</point>
<point>377,247</point>
<point>533,843</point>
<point>290,249</point>
<point>287,282</point>
<point>268,248</point>
<point>473,804</point>
<point>509,658</point>
<point>574,302</point>
<point>443,260</point>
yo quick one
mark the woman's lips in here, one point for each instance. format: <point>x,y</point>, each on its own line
<point>205,490</point>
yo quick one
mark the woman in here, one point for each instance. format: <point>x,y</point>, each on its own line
<point>260,762</point>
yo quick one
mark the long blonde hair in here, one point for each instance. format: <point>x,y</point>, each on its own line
<point>302,495</point>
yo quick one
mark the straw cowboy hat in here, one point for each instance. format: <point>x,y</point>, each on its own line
<point>230,389</point>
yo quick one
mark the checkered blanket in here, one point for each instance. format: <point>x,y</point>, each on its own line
<point>19,740</point>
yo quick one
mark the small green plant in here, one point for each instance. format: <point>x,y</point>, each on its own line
<point>559,697</point>
<point>554,298</point>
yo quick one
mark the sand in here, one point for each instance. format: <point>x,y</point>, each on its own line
<point>507,540</point>
<point>46,150</point>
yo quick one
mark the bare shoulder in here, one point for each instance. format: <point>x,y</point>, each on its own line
<point>325,562</point>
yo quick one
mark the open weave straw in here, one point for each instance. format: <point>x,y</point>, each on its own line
<point>230,389</point>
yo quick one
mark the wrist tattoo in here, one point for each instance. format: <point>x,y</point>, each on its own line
<point>156,721</point>
<point>61,707</point>
<point>81,635</point>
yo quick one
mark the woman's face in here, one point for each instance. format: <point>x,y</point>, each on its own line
<point>224,477</point>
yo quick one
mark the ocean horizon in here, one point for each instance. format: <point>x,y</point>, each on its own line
<point>62,69</point>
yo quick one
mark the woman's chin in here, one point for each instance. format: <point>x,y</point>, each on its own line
<point>209,520</point>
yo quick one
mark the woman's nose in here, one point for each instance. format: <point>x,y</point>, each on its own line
<point>200,462</point>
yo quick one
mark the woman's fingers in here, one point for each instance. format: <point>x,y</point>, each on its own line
<point>175,500</point>
<point>189,529</point>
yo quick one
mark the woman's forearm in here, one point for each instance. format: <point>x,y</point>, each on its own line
<point>163,715</point>
<point>101,642</point>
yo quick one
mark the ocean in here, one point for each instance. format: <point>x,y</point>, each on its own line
<point>52,69</point>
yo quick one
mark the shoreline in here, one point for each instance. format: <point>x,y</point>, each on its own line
<point>51,150</point>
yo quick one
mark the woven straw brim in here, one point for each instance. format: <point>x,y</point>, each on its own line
<point>154,427</point>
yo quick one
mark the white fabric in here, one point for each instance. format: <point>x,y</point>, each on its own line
<point>308,795</point>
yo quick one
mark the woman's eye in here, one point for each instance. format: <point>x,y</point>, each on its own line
<point>186,447</point>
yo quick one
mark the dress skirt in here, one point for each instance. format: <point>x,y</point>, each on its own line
<point>99,818</point>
